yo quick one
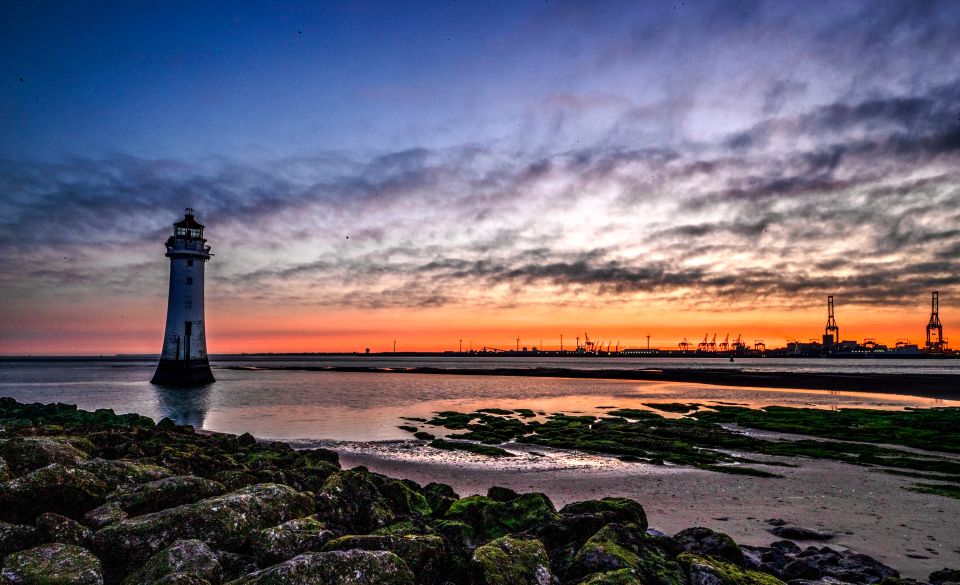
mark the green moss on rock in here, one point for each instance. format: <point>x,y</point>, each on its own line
<point>354,567</point>
<point>224,522</point>
<point>703,570</point>
<point>182,557</point>
<point>16,537</point>
<point>165,493</point>
<point>492,519</point>
<point>619,577</point>
<point>426,555</point>
<point>25,454</point>
<point>287,540</point>
<point>622,510</point>
<point>351,500</point>
<point>511,561</point>
<point>56,528</point>
<point>53,564</point>
<point>64,490</point>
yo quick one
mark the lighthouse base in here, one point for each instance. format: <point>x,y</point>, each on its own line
<point>177,373</point>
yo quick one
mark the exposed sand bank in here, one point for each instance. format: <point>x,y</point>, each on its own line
<point>868,510</point>
<point>946,386</point>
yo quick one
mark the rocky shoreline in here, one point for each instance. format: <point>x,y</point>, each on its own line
<point>95,497</point>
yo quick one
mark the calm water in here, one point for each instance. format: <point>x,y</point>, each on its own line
<point>338,406</point>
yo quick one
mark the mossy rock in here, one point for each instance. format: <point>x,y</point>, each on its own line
<point>619,510</point>
<point>5,472</point>
<point>403,528</point>
<point>56,528</point>
<point>426,555</point>
<point>353,567</point>
<point>104,515</point>
<point>310,479</point>
<point>119,472</point>
<point>511,561</point>
<point>64,490</point>
<point>235,479</point>
<point>703,570</point>
<point>624,546</point>
<point>16,537</point>
<point>25,454</point>
<point>53,564</point>
<point>165,493</point>
<point>225,522</point>
<point>351,500</point>
<point>492,519</point>
<point>704,541</point>
<point>619,577</point>
<point>182,557</point>
<point>404,499</point>
<point>316,458</point>
<point>439,496</point>
<point>182,579</point>
<point>287,540</point>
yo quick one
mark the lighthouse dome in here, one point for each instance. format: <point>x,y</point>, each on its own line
<point>188,226</point>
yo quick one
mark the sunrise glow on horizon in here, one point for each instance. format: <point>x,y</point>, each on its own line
<point>372,172</point>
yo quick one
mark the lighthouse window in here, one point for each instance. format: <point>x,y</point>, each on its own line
<point>189,280</point>
<point>190,262</point>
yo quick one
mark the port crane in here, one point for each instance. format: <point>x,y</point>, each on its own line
<point>685,345</point>
<point>935,341</point>
<point>725,345</point>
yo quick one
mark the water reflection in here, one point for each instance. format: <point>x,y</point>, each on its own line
<point>184,406</point>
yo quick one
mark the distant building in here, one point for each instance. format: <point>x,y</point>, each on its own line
<point>183,361</point>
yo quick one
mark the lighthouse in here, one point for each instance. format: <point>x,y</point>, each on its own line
<point>183,361</point>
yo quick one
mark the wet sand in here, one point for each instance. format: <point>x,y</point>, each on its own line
<point>946,386</point>
<point>868,510</point>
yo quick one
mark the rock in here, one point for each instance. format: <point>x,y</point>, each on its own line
<point>316,458</point>
<point>624,546</point>
<point>354,567</point>
<point>703,541</point>
<point>801,568</point>
<point>25,454</point>
<point>945,576</point>
<point>57,528</point>
<point>702,570</point>
<point>350,499</point>
<point>55,488</point>
<point>104,515</point>
<point>182,557</point>
<point>403,497</point>
<point>623,510</point>
<point>5,472</point>
<point>776,521</point>
<point>118,472</point>
<point>425,555</point>
<point>244,440</point>
<point>16,537</point>
<point>224,522</point>
<point>310,479</point>
<point>786,547</point>
<point>53,564</point>
<point>621,577</point>
<point>439,497</point>
<point>511,561</point>
<point>181,579</point>
<point>165,493</point>
<point>502,494</point>
<point>798,533</point>
<point>235,565</point>
<point>492,519</point>
<point>287,540</point>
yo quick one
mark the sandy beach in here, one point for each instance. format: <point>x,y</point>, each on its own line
<point>869,511</point>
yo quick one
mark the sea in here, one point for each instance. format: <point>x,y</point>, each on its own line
<point>316,407</point>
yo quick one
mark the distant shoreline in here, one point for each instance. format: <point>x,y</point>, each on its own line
<point>945,386</point>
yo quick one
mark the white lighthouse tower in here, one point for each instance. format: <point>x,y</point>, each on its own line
<point>183,361</point>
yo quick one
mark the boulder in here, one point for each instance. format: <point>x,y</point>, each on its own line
<point>620,577</point>
<point>16,537</point>
<point>64,490</point>
<point>25,454</point>
<point>945,576</point>
<point>165,493</point>
<point>182,579</point>
<point>191,557</point>
<point>53,564</point>
<point>799,533</point>
<point>703,570</point>
<point>492,519</point>
<point>439,497</point>
<point>511,561</point>
<point>624,546</point>
<point>287,540</point>
<point>703,541</point>
<point>104,515</point>
<point>502,494</point>
<point>425,555</point>
<point>224,522</point>
<point>619,509</point>
<point>350,499</point>
<point>5,473</point>
<point>56,528</point>
<point>353,567</point>
<point>119,472</point>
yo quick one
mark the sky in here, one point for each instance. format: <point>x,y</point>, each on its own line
<point>434,171</point>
